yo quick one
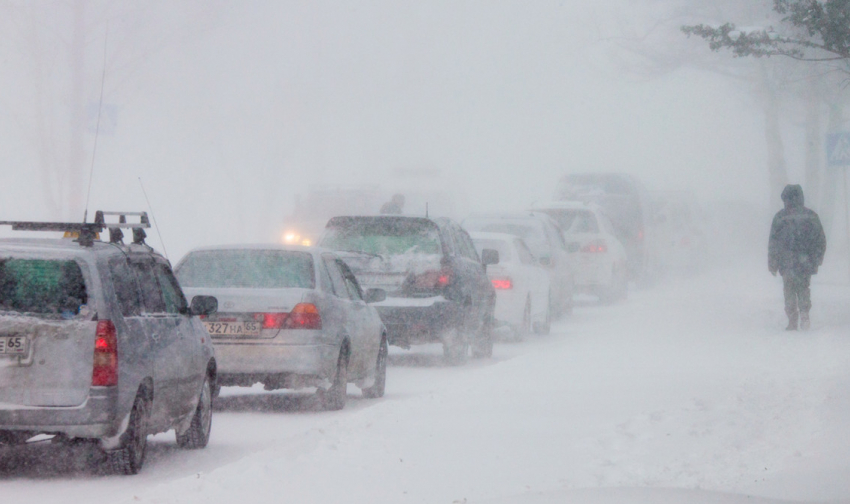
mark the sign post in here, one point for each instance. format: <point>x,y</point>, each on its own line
<point>838,156</point>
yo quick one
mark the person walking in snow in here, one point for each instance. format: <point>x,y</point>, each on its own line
<point>395,206</point>
<point>795,251</point>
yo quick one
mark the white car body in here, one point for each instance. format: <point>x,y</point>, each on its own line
<point>283,356</point>
<point>522,285</point>
<point>602,261</point>
<point>545,240</point>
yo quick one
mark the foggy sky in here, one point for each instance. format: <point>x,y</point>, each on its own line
<point>227,110</point>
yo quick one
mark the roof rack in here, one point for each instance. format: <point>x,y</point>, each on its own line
<point>88,231</point>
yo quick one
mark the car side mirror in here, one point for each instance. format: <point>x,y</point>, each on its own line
<point>374,295</point>
<point>545,261</point>
<point>573,247</point>
<point>203,305</point>
<point>489,256</point>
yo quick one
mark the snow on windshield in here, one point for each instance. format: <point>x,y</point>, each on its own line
<point>260,269</point>
<point>386,238</point>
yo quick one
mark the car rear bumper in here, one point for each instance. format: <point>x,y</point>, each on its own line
<point>258,358</point>
<point>418,320</point>
<point>593,272</point>
<point>95,418</point>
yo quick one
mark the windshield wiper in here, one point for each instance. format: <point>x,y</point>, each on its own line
<point>362,253</point>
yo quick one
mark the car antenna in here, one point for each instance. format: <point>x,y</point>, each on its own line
<point>154,218</point>
<point>97,128</point>
<point>426,209</point>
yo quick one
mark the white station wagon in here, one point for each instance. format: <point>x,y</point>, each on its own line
<point>289,317</point>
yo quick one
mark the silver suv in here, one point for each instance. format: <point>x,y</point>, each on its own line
<point>97,342</point>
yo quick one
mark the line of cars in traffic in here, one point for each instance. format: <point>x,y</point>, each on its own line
<point>102,342</point>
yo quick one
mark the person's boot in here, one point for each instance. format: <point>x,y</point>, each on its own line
<point>792,322</point>
<point>805,323</point>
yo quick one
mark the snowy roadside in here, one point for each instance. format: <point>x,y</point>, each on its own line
<point>688,392</point>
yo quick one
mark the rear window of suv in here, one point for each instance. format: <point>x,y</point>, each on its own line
<point>259,269</point>
<point>42,286</point>
<point>384,237</point>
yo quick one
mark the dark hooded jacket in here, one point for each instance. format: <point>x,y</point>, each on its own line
<point>797,242</point>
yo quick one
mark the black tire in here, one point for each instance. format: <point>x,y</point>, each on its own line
<point>456,351</point>
<point>544,327</point>
<point>570,303</point>
<point>377,389</point>
<point>216,389</point>
<point>130,456</point>
<point>526,327</point>
<point>333,399</point>
<point>482,347</point>
<point>198,434</point>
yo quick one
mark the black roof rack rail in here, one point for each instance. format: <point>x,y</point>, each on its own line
<point>87,231</point>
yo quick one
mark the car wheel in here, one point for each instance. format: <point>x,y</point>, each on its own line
<point>569,302</point>
<point>198,434</point>
<point>545,326</point>
<point>612,292</point>
<point>377,390</point>
<point>130,456</point>
<point>216,389</point>
<point>526,326</point>
<point>483,344</point>
<point>333,399</point>
<point>456,348</point>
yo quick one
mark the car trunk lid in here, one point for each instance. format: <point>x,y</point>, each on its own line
<point>54,369</point>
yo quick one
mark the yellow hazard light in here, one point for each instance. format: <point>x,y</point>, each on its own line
<point>76,234</point>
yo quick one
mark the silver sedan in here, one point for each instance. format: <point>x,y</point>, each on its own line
<point>289,317</point>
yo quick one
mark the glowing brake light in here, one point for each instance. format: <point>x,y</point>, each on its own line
<point>433,279</point>
<point>303,316</point>
<point>274,320</point>
<point>595,247</point>
<point>502,283</point>
<point>105,369</point>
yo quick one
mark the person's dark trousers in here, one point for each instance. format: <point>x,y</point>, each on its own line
<point>798,297</point>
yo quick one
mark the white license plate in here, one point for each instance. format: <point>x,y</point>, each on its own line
<point>233,328</point>
<point>14,345</point>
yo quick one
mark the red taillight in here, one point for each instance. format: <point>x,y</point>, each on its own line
<point>105,369</point>
<point>274,320</point>
<point>303,316</point>
<point>595,247</point>
<point>502,283</point>
<point>433,279</point>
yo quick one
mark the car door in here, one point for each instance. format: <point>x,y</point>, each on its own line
<point>341,299</point>
<point>186,350</point>
<point>480,289</point>
<point>363,328</point>
<point>137,340</point>
<point>536,277</point>
<point>163,337</point>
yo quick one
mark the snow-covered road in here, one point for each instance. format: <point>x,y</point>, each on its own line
<point>688,392</point>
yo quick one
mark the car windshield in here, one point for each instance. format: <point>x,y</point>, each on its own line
<point>500,246</point>
<point>574,221</point>
<point>384,237</point>
<point>260,269</point>
<point>531,232</point>
<point>41,286</point>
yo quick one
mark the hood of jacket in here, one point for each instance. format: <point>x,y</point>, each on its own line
<point>792,195</point>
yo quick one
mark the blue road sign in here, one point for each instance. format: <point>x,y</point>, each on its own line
<point>838,149</point>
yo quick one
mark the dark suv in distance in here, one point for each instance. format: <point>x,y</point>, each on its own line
<point>437,287</point>
<point>98,343</point>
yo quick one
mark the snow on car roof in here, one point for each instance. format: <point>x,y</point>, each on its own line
<point>53,245</point>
